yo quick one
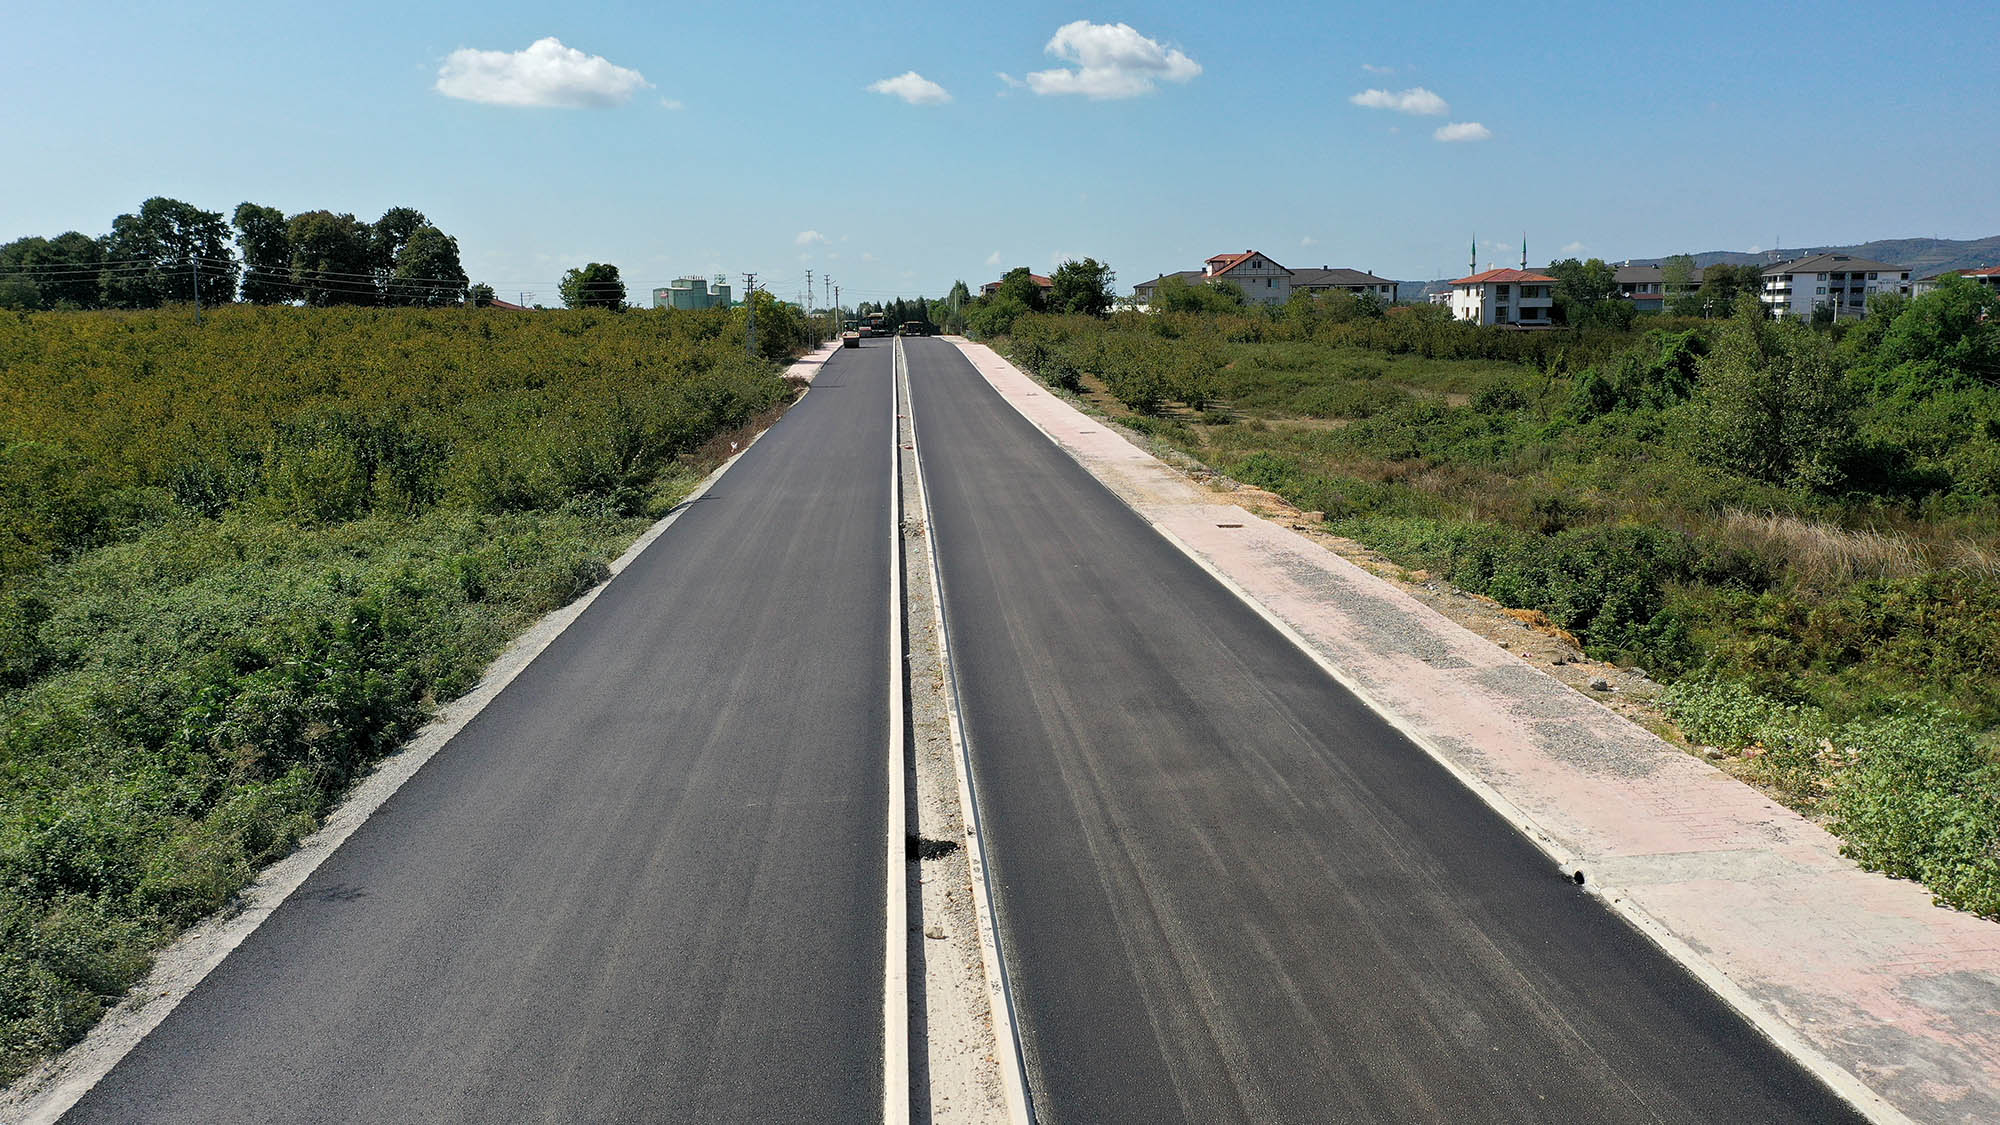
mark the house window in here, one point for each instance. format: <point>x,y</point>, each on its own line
<point>1269,281</point>
<point>1821,291</point>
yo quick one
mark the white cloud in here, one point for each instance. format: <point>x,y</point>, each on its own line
<point>1416,100</point>
<point>1308,240</point>
<point>672,103</point>
<point>1112,61</point>
<point>833,256</point>
<point>913,88</point>
<point>808,238</point>
<point>1373,69</point>
<point>867,257</point>
<point>1573,249</point>
<point>993,259</point>
<point>1010,81</point>
<point>1463,131</point>
<point>545,74</point>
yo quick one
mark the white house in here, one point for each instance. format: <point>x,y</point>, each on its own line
<point>1988,276</point>
<point>1840,282</point>
<point>1518,297</point>
<point>1263,281</point>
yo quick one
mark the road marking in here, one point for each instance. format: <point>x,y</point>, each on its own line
<point>896,952</point>
<point>1782,1035</point>
<point>999,991</point>
<point>53,1089</point>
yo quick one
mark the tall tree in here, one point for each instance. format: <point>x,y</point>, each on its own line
<point>1083,287</point>
<point>1585,291</point>
<point>386,239</point>
<point>596,285</point>
<point>1771,403</point>
<point>160,250</point>
<point>1018,285</point>
<point>267,253</point>
<point>331,262</point>
<point>51,273</point>
<point>427,270</point>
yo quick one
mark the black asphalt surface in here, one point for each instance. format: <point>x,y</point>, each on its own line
<point>1226,890</point>
<point>645,884</point>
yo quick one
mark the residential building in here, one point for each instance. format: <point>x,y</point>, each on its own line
<point>1263,281</point>
<point>693,293</point>
<point>1329,280</point>
<point>1042,283</point>
<point>1144,291</point>
<point>1522,298</point>
<point>1840,282</point>
<point>1988,276</point>
<point>1646,285</point>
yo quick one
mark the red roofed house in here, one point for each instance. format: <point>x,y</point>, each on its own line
<point>1043,283</point>
<point>1988,276</point>
<point>1264,282</point>
<point>1519,297</point>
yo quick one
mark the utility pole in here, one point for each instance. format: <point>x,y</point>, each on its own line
<point>750,307</point>
<point>194,263</point>
<point>809,292</point>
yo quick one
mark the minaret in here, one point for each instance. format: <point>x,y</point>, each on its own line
<point>1475,256</point>
<point>1524,250</point>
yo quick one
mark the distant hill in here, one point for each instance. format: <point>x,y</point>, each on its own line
<point>1924,256</point>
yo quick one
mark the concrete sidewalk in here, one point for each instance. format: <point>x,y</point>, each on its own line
<point>1892,1000</point>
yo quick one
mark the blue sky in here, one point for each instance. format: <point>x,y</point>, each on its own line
<point>725,137</point>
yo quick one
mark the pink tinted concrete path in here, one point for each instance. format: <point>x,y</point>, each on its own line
<point>1894,1001</point>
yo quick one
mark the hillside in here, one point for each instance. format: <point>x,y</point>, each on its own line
<point>1924,256</point>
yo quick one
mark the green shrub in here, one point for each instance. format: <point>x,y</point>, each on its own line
<point>1921,801</point>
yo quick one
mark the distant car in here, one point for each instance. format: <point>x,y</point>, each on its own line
<point>913,328</point>
<point>862,331</point>
<point>850,339</point>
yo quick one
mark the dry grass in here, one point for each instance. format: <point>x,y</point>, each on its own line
<point>1821,554</point>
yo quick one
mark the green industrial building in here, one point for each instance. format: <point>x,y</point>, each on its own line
<point>693,293</point>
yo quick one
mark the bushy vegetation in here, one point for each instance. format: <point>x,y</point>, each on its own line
<point>1808,515</point>
<point>242,561</point>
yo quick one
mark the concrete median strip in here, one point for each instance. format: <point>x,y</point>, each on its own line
<point>50,1091</point>
<point>1892,1001</point>
<point>998,1034</point>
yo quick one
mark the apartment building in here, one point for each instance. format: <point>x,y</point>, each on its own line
<point>1840,282</point>
<point>1522,298</point>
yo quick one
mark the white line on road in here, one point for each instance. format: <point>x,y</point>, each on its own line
<point>1000,994</point>
<point>896,953</point>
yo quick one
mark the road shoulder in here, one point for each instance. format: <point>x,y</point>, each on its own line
<point>1892,1000</point>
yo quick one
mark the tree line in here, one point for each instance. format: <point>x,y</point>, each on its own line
<point>169,251</point>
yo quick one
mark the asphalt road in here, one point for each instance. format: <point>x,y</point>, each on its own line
<point>645,884</point>
<point>1227,891</point>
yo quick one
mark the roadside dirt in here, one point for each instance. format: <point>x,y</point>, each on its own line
<point>954,1071</point>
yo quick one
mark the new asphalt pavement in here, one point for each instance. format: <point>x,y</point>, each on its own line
<point>1226,890</point>
<point>645,884</point>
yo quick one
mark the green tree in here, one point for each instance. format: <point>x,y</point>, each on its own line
<point>1174,294</point>
<point>267,253</point>
<point>1018,285</point>
<point>1771,403</point>
<point>51,273</point>
<point>330,259</point>
<point>1722,283</point>
<point>157,249</point>
<point>479,296</point>
<point>427,270</point>
<point>1947,335</point>
<point>1082,287</point>
<point>386,239</point>
<point>597,285</point>
<point>1587,294</point>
